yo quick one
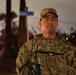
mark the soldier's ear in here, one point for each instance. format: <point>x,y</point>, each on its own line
<point>39,23</point>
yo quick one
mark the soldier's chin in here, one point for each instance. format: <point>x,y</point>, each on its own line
<point>51,32</point>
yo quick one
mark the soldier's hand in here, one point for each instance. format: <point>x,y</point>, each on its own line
<point>71,71</point>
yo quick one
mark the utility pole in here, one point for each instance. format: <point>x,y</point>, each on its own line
<point>23,30</point>
<point>22,25</point>
<point>8,29</point>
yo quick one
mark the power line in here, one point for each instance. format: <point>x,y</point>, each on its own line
<point>67,22</point>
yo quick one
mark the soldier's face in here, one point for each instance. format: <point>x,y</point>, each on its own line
<point>49,23</point>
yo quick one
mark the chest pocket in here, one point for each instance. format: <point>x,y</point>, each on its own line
<point>54,62</point>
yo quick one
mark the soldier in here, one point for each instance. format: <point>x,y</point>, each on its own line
<point>48,53</point>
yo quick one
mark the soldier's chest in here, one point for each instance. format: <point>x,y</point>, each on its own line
<point>46,57</point>
<point>50,45</point>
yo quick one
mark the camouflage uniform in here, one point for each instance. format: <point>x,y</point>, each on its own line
<point>55,56</point>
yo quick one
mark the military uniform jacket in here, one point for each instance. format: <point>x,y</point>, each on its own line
<point>55,56</point>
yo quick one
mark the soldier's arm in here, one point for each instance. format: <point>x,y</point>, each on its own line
<point>70,60</point>
<point>23,58</point>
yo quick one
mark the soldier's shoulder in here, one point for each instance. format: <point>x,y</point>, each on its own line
<point>37,36</point>
<point>28,42</point>
<point>66,41</point>
<point>27,45</point>
<point>67,44</point>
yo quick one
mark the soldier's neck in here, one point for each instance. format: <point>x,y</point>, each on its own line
<point>49,36</point>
